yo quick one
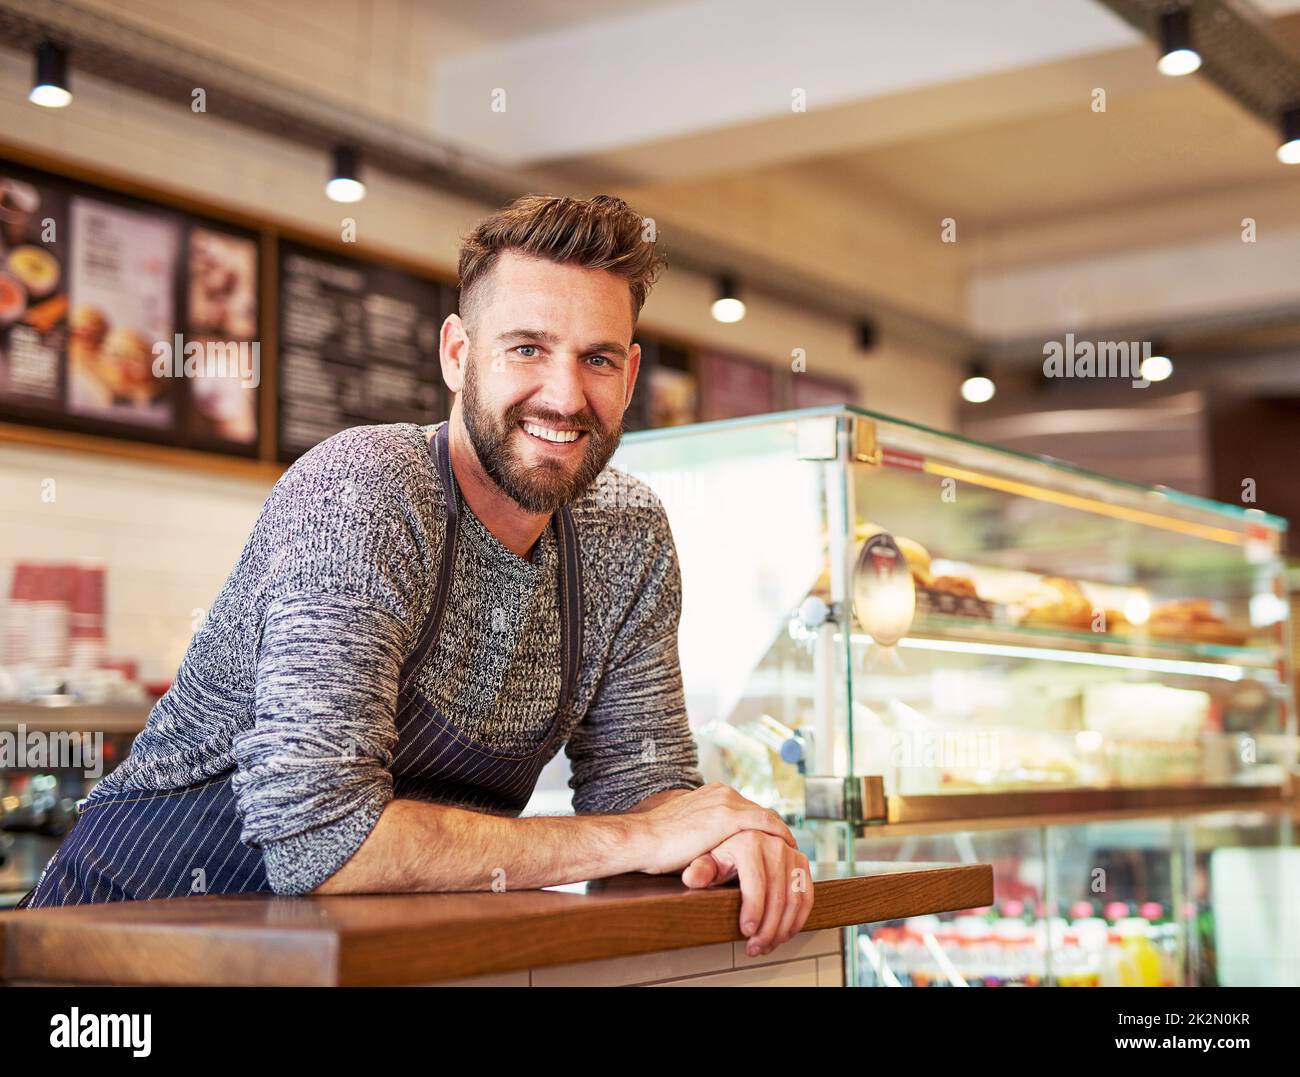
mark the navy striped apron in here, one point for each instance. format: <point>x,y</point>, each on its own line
<point>143,844</point>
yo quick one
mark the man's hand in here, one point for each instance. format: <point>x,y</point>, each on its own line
<point>775,886</point>
<point>680,828</point>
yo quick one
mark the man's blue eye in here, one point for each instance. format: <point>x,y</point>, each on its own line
<point>523,346</point>
<point>604,359</point>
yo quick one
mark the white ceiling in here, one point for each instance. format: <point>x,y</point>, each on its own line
<point>679,70</point>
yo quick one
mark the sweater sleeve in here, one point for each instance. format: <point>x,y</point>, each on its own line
<point>635,739</point>
<point>344,591</point>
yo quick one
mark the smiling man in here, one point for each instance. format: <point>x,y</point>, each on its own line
<point>422,617</point>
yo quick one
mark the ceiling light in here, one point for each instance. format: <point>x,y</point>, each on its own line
<point>978,388</point>
<point>1157,367</point>
<point>344,184</point>
<point>727,307</point>
<point>50,86</point>
<point>866,334</point>
<point>1289,152</point>
<point>1177,57</point>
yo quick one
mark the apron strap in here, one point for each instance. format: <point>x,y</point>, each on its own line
<point>571,612</point>
<point>570,583</point>
<point>441,454</point>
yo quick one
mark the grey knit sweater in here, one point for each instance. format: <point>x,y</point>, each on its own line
<point>291,682</point>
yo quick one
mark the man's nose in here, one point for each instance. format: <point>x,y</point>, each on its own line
<point>564,391</point>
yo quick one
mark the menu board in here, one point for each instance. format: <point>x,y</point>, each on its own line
<point>358,345</point>
<point>731,386</point>
<point>126,318</point>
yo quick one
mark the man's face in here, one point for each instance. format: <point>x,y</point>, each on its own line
<point>549,373</point>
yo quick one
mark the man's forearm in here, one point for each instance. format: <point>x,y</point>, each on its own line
<point>420,847</point>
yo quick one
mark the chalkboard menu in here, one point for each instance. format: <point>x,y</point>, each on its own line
<point>358,345</point>
<point>121,317</point>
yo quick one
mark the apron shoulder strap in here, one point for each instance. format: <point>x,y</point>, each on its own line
<point>571,612</point>
<point>439,449</point>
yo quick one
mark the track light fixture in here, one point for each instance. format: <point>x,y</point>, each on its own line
<point>728,306</point>
<point>978,388</point>
<point>1177,56</point>
<point>345,183</point>
<point>866,334</point>
<point>50,87</point>
<point>1289,151</point>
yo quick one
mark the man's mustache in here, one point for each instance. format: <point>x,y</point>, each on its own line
<point>574,422</point>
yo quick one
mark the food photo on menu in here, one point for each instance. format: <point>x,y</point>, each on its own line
<point>222,314</point>
<point>122,300</point>
<point>33,292</point>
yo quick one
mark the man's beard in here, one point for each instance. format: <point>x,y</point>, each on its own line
<point>543,487</point>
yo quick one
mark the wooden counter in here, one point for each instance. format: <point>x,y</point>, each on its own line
<point>265,940</point>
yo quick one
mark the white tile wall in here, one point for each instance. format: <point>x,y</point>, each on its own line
<point>167,537</point>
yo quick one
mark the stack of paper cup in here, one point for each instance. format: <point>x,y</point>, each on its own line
<point>18,615</point>
<point>48,638</point>
<point>86,616</point>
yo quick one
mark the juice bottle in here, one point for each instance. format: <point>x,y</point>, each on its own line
<point>1140,960</point>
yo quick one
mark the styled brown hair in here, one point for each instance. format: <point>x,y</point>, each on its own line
<point>603,232</point>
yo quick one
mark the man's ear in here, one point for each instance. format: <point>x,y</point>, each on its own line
<point>633,368</point>
<point>453,352</point>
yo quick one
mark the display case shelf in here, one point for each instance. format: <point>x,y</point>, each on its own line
<point>1092,649</point>
<point>1030,641</point>
<point>1080,803</point>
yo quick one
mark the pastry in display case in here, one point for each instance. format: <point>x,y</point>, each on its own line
<point>888,631</point>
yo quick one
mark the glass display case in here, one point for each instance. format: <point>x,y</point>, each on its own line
<point>896,637</point>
